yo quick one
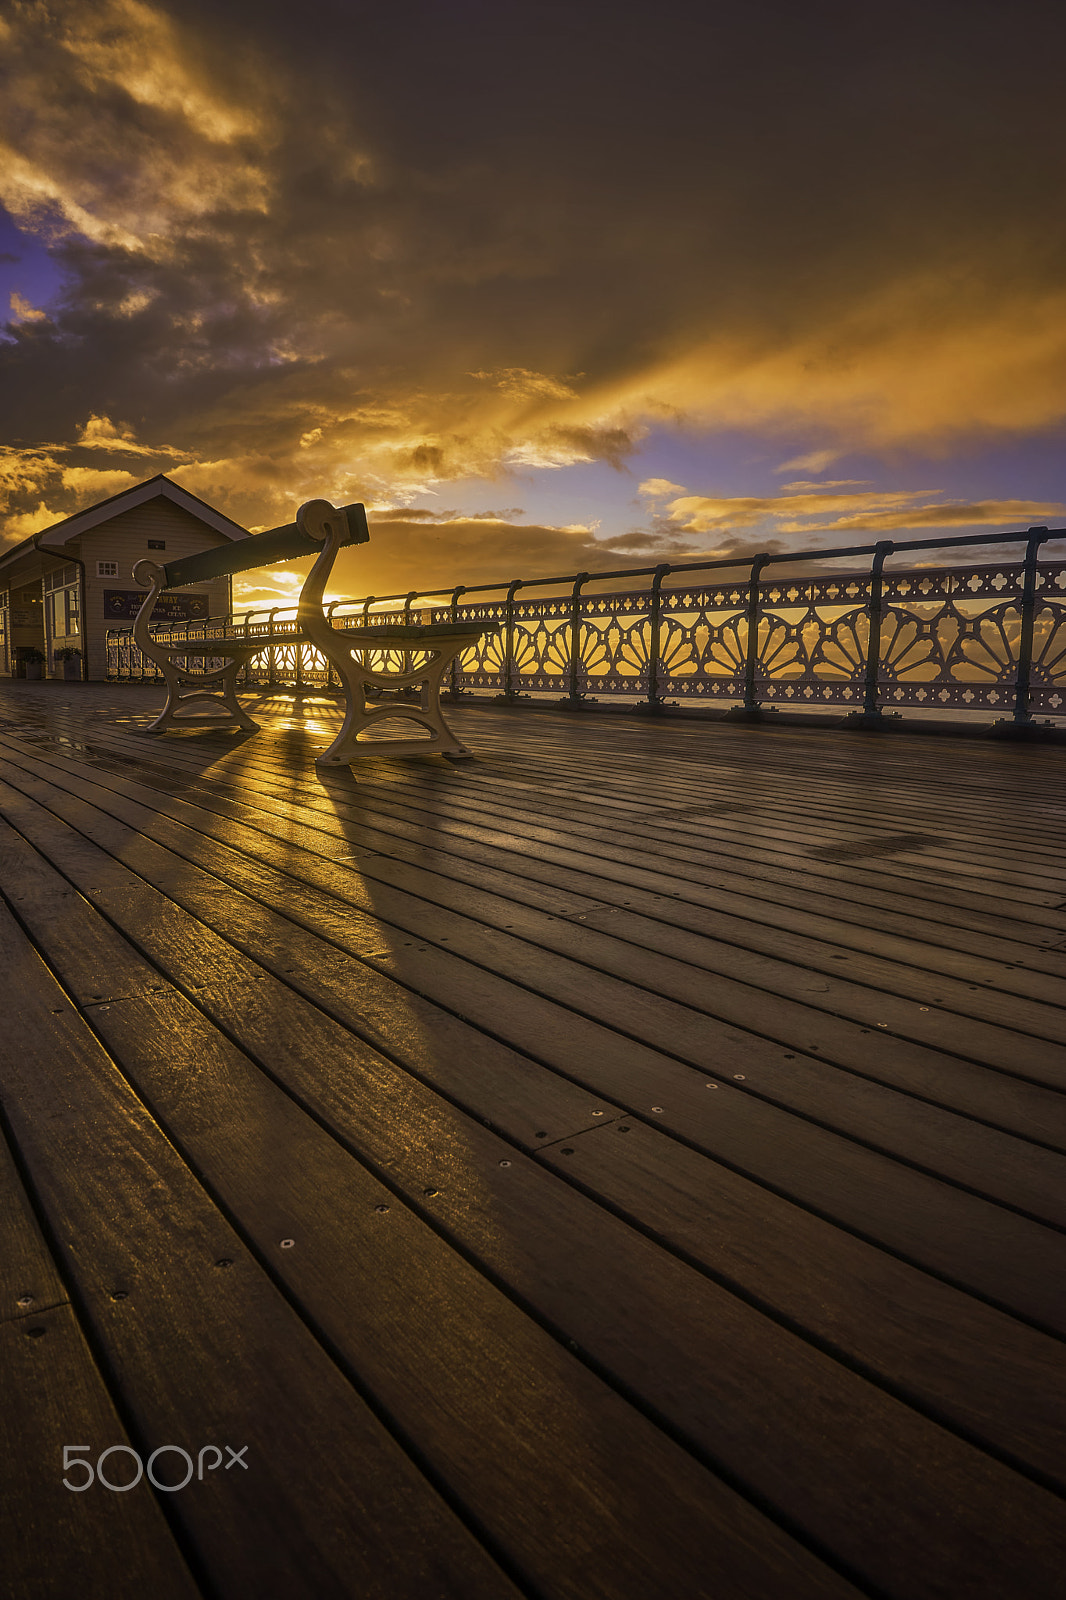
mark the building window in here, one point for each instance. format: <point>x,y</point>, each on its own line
<point>107,569</point>
<point>61,577</point>
<point>157,544</point>
<point>63,612</point>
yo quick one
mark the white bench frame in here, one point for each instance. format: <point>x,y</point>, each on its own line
<point>346,648</point>
<point>205,699</point>
<point>208,699</point>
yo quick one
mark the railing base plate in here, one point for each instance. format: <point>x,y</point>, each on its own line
<point>1006,728</point>
<point>750,714</point>
<point>871,721</point>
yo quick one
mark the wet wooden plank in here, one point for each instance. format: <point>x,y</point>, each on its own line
<point>747,877</point>
<point>794,933</point>
<point>845,1039</point>
<point>493,1406</point>
<point>58,1542</point>
<point>990,1376</point>
<point>328,1504</point>
<point>630,767</point>
<point>998,926</point>
<point>54,1395</point>
<point>991,1357</point>
<point>738,916</point>
<point>617,1285</point>
<point>31,1280</point>
<point>588,823</point>
<point>978,990</point>
<point>498,1410</point>
<point>300,934</point>
<point>981,1158</point>
<point>979,1246</point>
<point>616,1298</point>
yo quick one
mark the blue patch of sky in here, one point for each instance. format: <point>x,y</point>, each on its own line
<point>26,268</point>
<point>739,464</point>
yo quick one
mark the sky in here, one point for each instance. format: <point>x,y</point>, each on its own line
<point>549,286</point>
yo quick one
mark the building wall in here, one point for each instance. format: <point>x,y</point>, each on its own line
<point>124,540</point>
<point>25,616</point>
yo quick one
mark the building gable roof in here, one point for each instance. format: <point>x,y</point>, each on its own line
<point>61,533</point>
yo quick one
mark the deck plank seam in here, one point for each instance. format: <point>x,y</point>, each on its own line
<point>109,1377</point>
<point>792,1325</point>
<point>749,885</point>
<point>812,1006</point>
<point>803,1116</point>
<point>760,1179</point>
<point>216,786</point>
<point>406,1198</point>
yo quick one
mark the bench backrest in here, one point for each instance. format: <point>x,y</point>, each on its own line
<point>259,550</point>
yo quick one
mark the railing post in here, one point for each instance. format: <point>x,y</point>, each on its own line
<point>329,664</point>
<point>574,693</point>
<point>871,715</point>
<point>508,641</point>
<point>407,623</point>
<point>749,710</point>
<point>272,657</point>
<point>1023,717</point>
<point>454,669</point>
<point>247,659</point>
<point>365,655</point>
<point>655,699</point>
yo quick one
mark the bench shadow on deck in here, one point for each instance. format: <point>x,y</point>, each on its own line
<point>628,1165</point>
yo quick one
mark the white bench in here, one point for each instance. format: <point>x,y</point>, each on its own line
<point>196,698</point>
<point>208,697</point>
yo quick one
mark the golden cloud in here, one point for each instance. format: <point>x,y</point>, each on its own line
<point>118,438</point>
<point>115,129</point>
<point>915,362</point>
<point>96,483</point>
<point>24,523</point>
<point>875,511</point>
<point>521,384</point>
<point>23,311</point>
<point>659,489</point>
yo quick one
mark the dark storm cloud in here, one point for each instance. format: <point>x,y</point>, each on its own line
<point>361,250</point>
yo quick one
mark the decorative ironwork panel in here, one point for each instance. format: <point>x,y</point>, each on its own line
<point>615,638</point>
<point>951,638</point>
<point>482,667</point>
<point>703,641</point>
<point>1048,692</point>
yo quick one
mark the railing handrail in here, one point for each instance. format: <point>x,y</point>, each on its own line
<point>718,563</point>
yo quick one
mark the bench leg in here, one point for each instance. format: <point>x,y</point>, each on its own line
<point>326,525</point>
<point>216,690</point>
<point>355,679</point>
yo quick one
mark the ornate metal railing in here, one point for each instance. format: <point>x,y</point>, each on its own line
<point>989,637</point>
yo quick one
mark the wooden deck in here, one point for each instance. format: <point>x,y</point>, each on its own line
<point>624,1167</point>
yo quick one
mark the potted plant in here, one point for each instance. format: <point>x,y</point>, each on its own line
<point>71,659</point>
<point>30,659</point>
